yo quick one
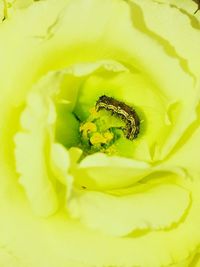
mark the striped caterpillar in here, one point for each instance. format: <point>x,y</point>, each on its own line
<point>123,111</point>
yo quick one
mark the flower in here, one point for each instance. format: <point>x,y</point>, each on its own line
<point>99,130</point>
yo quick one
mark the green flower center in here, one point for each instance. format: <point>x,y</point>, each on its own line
<point>108,121</point>
<point>100,107</point>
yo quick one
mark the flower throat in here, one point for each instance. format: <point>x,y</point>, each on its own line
<point>109,121</point>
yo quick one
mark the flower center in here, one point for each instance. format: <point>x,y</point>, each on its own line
<point>109,120</point>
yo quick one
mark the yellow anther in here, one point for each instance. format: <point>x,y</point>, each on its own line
<point>98,139</point>
<point>108,136</point>
<point>88,126</point>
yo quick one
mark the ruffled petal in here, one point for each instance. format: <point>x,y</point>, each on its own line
<point>61,240</point>
<point>159,207</point>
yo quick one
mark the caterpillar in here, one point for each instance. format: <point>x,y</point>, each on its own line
<point>123,111</point>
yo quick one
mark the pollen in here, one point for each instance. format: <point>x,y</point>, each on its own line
<point>111,150</point>
<point>108,136</point>
<point>98,138</point>
<point>88,127</point>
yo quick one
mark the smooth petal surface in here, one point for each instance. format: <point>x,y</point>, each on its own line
<point>107,172</point>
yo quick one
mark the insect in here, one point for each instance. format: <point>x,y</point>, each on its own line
<point>123,111</point>
<point>198,3</point>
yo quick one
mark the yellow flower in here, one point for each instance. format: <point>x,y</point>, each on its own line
<point>99,133</point>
